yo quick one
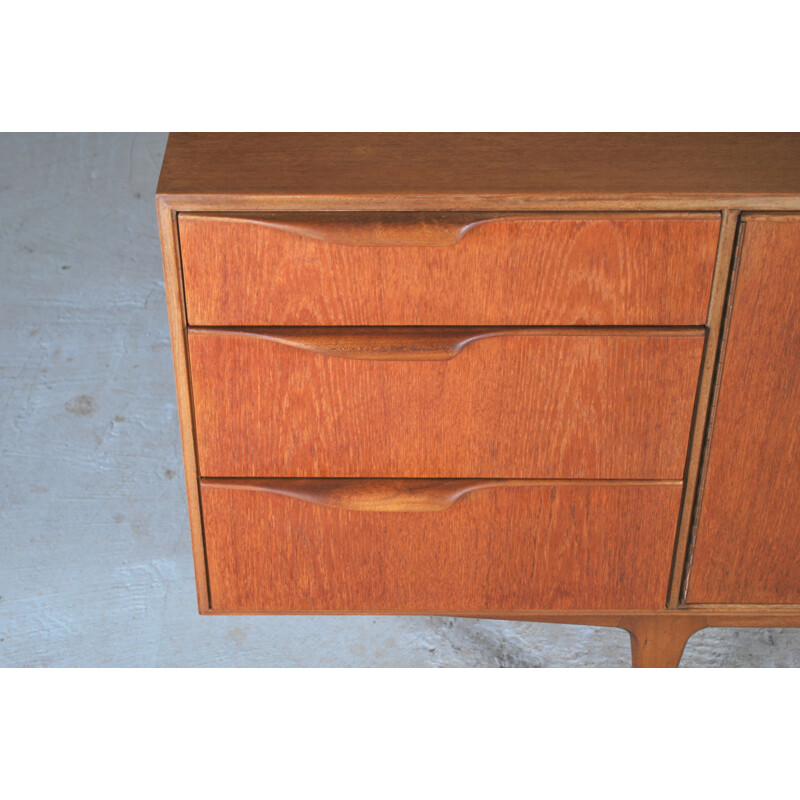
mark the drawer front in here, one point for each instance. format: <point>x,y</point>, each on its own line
<point>284,548</point>
<point>341,269</point>
<point>510,405</point>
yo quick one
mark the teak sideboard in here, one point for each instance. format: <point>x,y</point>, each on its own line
<point>549,377</point>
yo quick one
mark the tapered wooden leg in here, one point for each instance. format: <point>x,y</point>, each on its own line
<point>658,641</point>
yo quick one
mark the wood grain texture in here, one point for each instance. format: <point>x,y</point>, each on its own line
<point>502,271</point>
<point>421,343</point>
<point>697,439</point>
<point>580,407</point>
<point>503,548</point>
<point>173,284</point>
<point>659,641</point>
<point>592,406</point>
<point>392,494</point>
<point>747,547</point>
<point>384,229</point>
<point>481,171</point>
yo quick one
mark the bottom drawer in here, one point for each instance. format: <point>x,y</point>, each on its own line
<point>317,545</point>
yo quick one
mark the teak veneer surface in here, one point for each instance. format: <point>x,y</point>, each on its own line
<point>697,438</point>
<point>510,406</point>
<point>173,285</point>
<point>512,548</point>
<point>564,488</point>
<point>481,171</point>
<point>326,269</point>
<point>748,541</point>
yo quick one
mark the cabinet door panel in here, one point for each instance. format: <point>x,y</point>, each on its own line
<point>748,541</point>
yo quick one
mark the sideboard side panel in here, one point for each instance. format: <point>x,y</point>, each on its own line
<point>173,283</point>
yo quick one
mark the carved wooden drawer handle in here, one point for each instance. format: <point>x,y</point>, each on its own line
<point>418,344</point>
<point>374,230</point>
<point>382,494</point>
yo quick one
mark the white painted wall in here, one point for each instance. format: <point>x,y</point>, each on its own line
<point>95,562</point>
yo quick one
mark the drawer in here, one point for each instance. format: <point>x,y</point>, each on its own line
<point>502,403</point>
<point>447,269</point>
<point>317,545</point>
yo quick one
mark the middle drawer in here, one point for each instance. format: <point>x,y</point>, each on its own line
<point>444,402</point>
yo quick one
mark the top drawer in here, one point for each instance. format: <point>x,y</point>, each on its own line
<point>447,269</point>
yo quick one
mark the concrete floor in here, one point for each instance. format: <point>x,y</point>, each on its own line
<point>95,565</point>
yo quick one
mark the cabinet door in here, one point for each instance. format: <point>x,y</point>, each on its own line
<point>748,541</point>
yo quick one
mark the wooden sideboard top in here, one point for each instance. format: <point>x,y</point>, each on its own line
<point>485,171</point>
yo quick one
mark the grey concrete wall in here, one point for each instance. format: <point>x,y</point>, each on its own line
<point>95,562</point>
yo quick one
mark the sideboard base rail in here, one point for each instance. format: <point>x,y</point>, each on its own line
<point>658,638</point>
